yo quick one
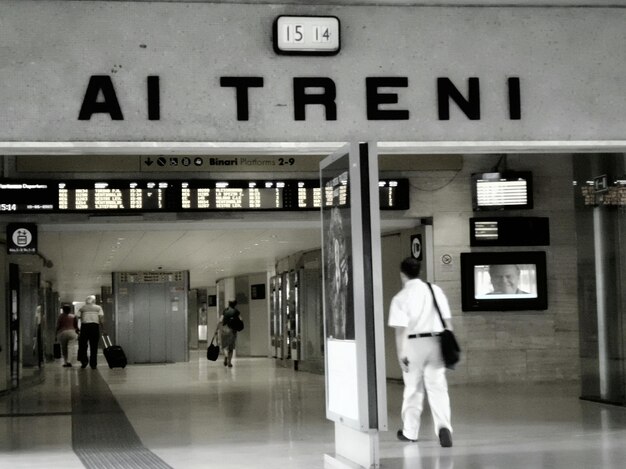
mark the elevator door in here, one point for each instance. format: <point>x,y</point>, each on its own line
<point>151,315</point>
<point>149,312</point>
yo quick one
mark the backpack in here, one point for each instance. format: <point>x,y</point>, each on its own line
<point>235,323</point>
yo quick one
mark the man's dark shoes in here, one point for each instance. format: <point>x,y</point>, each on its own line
<point>445,438</point>
<point>401,437</point>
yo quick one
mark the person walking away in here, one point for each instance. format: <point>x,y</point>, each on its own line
<point>91,319</point>
<point>66,331</point>
<point>228,336</point>
<point>417,326</point>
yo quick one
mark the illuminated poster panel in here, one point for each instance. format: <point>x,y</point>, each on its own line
<point>352,289</point>
<point>337,250</point>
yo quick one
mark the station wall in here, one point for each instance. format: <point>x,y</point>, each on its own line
<point>508,346</point>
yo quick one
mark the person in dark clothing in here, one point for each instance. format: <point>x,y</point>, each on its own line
<point>228,336</point>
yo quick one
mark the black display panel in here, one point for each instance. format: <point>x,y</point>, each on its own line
<point>509,231</point>
<point>502,191</point>
<point>393,195</point>
<point>504,281</point>
<point>123,196</point>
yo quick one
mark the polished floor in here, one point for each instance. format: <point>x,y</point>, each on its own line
<point>257,415</point>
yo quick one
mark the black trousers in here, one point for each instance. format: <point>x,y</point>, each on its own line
<point>89,334</point>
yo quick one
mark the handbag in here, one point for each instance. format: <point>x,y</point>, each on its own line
<point>56,350</point>
<point>212,351</point>
<point>450,349</point>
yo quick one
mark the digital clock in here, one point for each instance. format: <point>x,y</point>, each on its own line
<point>306,35</point>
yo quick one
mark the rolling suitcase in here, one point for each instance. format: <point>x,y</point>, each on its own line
<point>114,354</point>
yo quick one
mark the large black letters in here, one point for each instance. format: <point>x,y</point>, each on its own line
<point>515,105</point>
<point>446,90</point>
<point>241,85</point>
<point>326,98</point>
<point>91,105</point>
<point>154,103</point>
<point>375,99</point>
<point>100,97</point>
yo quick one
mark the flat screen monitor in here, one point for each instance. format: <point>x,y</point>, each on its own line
<point>502,191</point>
<point>509,231</point>
<point>504,281</point>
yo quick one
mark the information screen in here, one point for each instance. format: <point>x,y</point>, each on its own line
<point>72,196</point>
<point>234,195</point>
<point>501,191</point>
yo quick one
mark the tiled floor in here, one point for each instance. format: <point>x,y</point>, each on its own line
<point>256,415</point>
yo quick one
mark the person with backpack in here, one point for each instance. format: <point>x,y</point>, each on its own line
<point>229,324</point>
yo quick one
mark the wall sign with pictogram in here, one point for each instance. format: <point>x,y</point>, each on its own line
<point>22,238</point>
<point>416,247</point>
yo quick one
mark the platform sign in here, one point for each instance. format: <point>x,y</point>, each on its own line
<point>352,289</point>
<point>22,238</point>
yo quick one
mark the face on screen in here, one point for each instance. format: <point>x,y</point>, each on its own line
<point>505,278</point>
<point>501,281</point>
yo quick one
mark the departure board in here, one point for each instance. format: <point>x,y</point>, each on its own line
<point>117,196</point>
<point>233,195</point>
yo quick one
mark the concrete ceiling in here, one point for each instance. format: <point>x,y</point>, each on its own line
<point>84,254</point>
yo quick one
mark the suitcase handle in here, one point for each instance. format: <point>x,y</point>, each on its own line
<point>107,341</point>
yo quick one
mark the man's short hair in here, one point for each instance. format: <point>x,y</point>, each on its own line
<point>411,267</point>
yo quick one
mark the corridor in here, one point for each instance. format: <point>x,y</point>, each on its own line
<point>257,415</point>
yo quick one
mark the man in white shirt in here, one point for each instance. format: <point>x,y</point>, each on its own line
<point>417,324</point>
<point>91,318</point>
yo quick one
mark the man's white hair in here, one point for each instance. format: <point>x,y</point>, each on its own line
<point>90,299</point>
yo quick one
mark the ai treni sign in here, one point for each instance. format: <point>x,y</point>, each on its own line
<point>381,98</point>
<point>177,72</point>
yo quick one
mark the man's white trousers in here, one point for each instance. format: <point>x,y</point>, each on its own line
<point>427,372</point>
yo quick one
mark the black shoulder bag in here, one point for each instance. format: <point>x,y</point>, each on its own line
<point>213,350</point>
<point>449,346</point>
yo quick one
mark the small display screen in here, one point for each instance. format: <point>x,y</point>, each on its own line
<point>499,191</point>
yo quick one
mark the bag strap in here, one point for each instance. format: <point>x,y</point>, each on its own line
<point>215,333</point>
<point>430,287</point>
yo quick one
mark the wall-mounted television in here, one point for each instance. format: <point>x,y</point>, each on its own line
<point>504,281</point>
<point>508,190</point>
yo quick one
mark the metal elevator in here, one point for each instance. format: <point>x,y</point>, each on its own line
<point>151,315</point>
